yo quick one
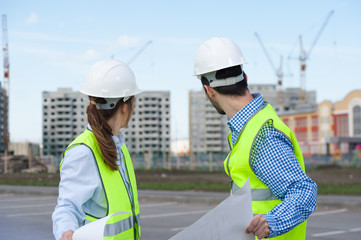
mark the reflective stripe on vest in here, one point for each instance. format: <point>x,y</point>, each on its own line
<point>258,194</point>
<point>116,228</point>
<point>126,226</point>
<point>239,167</point>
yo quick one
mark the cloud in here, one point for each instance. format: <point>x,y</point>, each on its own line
<point>60,58</point>
<point>89,54</point>
<point>32,19</point>
<point>51,38</point>
<point>127,41</point>
<point>179,41</point>
<point>123,42</point>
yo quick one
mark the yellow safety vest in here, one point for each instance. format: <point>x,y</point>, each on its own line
<point>119,227</point>
<point>238,166</point>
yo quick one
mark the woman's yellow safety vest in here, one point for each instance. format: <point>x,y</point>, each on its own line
<point>238,166</point>
<point>119,227</point>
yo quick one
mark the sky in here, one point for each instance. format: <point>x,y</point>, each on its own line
<point>52,44</point>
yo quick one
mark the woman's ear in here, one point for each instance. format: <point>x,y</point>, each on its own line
<point>123,109</point>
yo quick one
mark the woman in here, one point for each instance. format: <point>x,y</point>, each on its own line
<point>97,176</point>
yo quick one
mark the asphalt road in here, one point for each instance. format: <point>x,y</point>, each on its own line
<point>28,217</point>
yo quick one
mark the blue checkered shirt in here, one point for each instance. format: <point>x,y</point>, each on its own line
<point>275,164</point>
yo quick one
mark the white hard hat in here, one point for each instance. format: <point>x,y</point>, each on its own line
<point>110,79</point>
<point>215,54</point>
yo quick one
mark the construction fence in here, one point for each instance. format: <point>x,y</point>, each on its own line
<point>165,160</point>
<point>213,161</point>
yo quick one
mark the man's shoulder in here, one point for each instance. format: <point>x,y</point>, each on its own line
<point>269,132</point>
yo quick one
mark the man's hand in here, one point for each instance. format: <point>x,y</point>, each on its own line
<point>68,235</point>
<point>259,227</point>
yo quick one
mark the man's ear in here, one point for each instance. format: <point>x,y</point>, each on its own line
<point>209,90</point>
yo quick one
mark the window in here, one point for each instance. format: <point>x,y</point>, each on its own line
<point>314,121</point>
<point>314,135</point>
<point>286,121</point>
<point>342,125</point>
<point>301,136</point>
<point>357,120</point>
<point>301,122</point>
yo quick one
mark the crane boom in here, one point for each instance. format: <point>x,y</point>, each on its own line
<point>5,136</point>
<point>278,71</point>
<point>139,52</point>
<point>304,56</point>
<point>5,48</point>
<point>319,33</point>
<point>265,52</point>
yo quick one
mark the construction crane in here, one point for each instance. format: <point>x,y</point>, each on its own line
<point>278,71</point>
<point>5,89</point>
<point>304,56</point>
<point>139,52</point>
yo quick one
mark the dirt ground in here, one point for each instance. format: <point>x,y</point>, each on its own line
<point>325,174</point>
<point>336,174</point>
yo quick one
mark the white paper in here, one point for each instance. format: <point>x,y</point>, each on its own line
<point>94,230</point>
<point>228,220</point>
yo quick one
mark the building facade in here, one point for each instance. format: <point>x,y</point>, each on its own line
<point>330,128</point>
<point>149,129</point>
<point>208,129</point>
<point>64,117</point>
<point>288,99</point>
<point>1,118</point>
<point>4,119</point>
<point>269,92</point>
<point>25,149</point>
<point>319,128</point>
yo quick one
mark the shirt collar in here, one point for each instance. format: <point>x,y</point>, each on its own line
<point>236,123</point>
<point>118,140</point>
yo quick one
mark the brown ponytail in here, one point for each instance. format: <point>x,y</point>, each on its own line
<point>102,131</point>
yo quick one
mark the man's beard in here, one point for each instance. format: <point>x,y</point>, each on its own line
<point>216,106</point>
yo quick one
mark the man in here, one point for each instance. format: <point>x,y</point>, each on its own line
<point>262,147</point>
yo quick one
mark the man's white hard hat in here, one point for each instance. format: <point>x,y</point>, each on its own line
<point>215,54</point>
